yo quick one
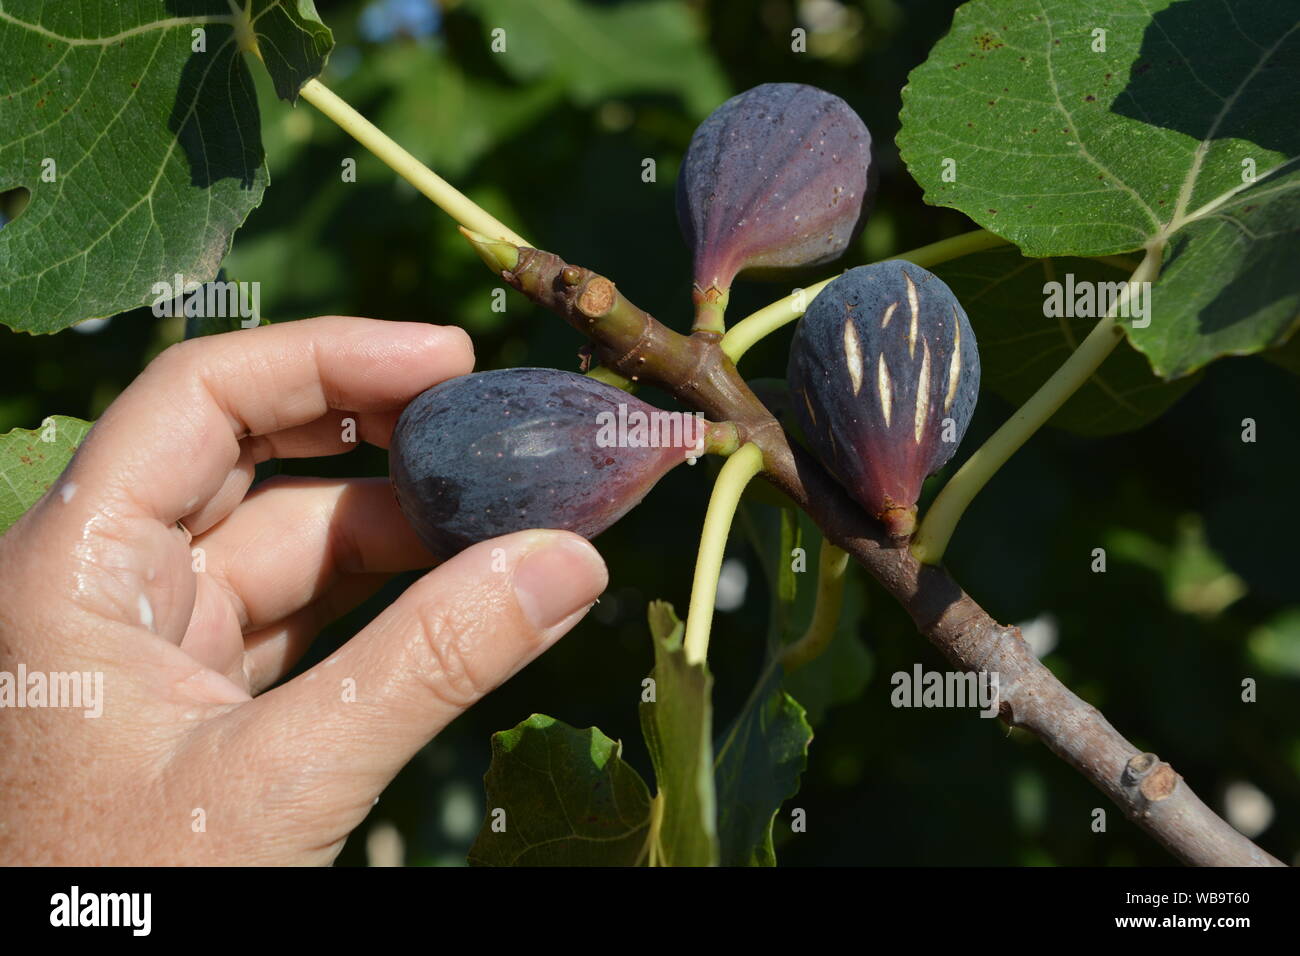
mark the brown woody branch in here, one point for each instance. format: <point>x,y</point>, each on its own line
<point>695,370</point>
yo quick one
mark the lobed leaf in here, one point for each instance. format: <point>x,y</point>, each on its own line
<point>677,726</point>
<point>141,154</point>
<point>759,761</point>
<point>33,459</point>
<point>568,800</point>
<point>1088,128</point>
<point>1003,293</point>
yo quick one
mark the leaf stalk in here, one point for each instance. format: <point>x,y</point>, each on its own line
<point>444,195</point>
<point>832,568</point>
<point>736,473</point>
<point>931,540</point>
<point>753,328</point>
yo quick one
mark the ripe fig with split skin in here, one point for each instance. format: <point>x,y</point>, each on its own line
<point>884,374</point>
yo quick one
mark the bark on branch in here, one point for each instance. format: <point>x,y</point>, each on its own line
<point>694,370</point>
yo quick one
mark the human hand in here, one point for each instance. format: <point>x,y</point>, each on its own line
<point>194,760</point>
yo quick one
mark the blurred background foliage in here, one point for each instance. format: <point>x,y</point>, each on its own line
<point>1199,527</point>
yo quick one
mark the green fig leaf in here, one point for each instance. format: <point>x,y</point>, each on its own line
<point>677,725</point>
<point>759,761</point>
<point>1084,129</point>
<point>604,50</point>
<point>135,132</point>
<point>1003,294</point>
<point>32,459</point>
<point>559,796</point>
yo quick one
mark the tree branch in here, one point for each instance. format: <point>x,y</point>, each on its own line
<point>695,370</point>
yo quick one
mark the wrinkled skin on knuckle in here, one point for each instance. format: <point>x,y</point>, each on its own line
<point>442,649</point>
<point>66,560</point>
<point>446,650</point>
<point>116,562</point>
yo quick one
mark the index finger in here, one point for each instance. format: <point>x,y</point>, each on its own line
<point>169,441</point>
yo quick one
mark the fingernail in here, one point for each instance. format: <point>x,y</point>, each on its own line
<point>554,581</point>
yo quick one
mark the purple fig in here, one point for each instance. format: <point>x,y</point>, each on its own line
<point>778,177</point>
<point>884,374</point>
<point>493,452</point>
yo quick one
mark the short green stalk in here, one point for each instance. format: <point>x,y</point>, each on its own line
<point>749,330</point>
<point>722,438</point>
<point>931,540</point>
<point>710,310</point>
<point>832,568</point>
<point>499,255</point>
<point>736,473</point>
<point>607,375</point>
<point>449,199</point>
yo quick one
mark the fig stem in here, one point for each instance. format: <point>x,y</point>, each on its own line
<point>722,438</point>
<point>749,330</point>
<point>697,373</point>
<point>607,375</point>
<point>444,195</point>
<point>832,568</point>
<point>735,474</point>
<point>937,527</point>
<point>501,257</point>
<point>710,310</point>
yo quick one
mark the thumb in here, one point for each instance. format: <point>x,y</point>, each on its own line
<point>453,636</point>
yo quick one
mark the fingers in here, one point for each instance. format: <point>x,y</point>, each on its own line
<point>271,652</point>
<point>453,636</point>
<point>170,442</point>
<point>286,561</point>
<point>292,538</point>
<point>333,433</point>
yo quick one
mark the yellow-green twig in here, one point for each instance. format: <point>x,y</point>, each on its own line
<point>936,529</point>
<point>449,199</point>
<point>768,319</point>
<point>832,566</point>
<point>735,474</point>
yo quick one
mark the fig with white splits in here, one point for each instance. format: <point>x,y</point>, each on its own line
<point>884,374</point>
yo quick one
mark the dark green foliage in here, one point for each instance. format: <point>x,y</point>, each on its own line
<point>554,152</point>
